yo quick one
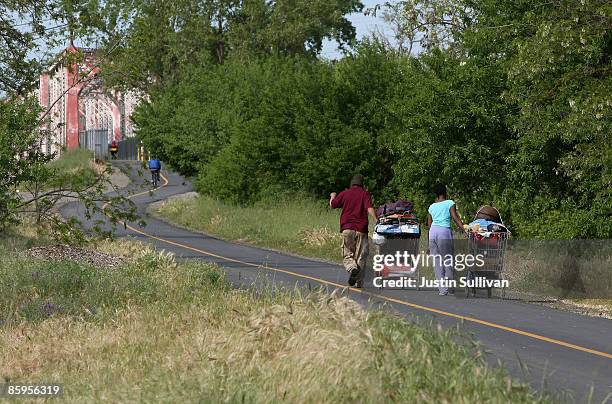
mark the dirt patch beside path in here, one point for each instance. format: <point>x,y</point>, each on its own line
<point>62,252</point>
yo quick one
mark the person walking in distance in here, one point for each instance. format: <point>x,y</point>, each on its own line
<point>356,204</point>
<point>114,149</point>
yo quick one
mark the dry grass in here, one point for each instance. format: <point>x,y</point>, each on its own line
<point>306,350</point>
<point>319,237</point>
<point>573,270</point>
<point>269,351</point>
<point>74,168</point>
<point>159,331</point>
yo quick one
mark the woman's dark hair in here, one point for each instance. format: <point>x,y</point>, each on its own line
<point>439,189</point>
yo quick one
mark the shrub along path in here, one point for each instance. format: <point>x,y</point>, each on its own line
<point>551,349</point>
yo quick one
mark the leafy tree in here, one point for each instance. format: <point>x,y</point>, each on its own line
<point>451,130</point>
<point>24,26</point>
<point>365,84</point>
<point>187,123</point>
<point>424,24</point>
<point>157,40</point>
<point>18,153</point>
<point>547,70</point>
<point>560,80</point>
<point>153,40</point>
<point>284,123</point>
<point>275,112</point>
<point>30,187</point>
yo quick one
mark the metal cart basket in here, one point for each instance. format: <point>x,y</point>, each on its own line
<point>491,247</point>
<point>400,233</point>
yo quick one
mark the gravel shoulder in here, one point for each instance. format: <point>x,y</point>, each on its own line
<point>63,252</point>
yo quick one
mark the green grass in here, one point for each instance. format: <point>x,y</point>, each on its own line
<point>303,227</point>
<point>23,237</point>
<point>72,159</point>
<point>159,331</point>
<point>73,168</point>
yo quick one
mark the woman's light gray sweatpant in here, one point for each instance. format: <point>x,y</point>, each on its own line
<point>441,246</point>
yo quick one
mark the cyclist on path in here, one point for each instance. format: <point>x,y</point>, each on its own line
<point>155,167</point>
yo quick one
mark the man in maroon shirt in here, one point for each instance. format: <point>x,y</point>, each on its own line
<point>356,203</point>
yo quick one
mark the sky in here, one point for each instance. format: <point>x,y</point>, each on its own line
<point>364,25</point>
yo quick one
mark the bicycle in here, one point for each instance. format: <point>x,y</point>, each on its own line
<point>155,177</point>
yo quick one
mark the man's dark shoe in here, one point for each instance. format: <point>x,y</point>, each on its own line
<point>353,277</point>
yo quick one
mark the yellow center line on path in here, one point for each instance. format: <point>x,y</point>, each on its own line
<point>376,295</point>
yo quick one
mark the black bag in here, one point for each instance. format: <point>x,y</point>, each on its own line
<point>400,206</point>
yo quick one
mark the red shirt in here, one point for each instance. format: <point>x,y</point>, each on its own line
<point>355,203</point>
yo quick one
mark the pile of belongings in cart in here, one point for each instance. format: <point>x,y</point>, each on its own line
<point>487,223</point>
<point>397,219</point>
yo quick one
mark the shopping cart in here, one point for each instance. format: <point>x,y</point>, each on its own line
<point>488,247</point>
<point>398,233</point>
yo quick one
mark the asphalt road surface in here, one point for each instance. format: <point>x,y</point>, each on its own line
<point>563,353</point>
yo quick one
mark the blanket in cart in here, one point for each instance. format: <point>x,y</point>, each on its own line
<point>483,228</point>
<point>394,229</point>
<point>398,226</point>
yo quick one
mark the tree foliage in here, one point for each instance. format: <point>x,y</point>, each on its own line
<point>508,102</point>
<point>156,40</point>
<point>559,78</point>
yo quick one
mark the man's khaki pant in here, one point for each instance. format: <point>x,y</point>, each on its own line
<point>355,251</point>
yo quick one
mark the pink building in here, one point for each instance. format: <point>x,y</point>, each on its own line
<point>78,104</point>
